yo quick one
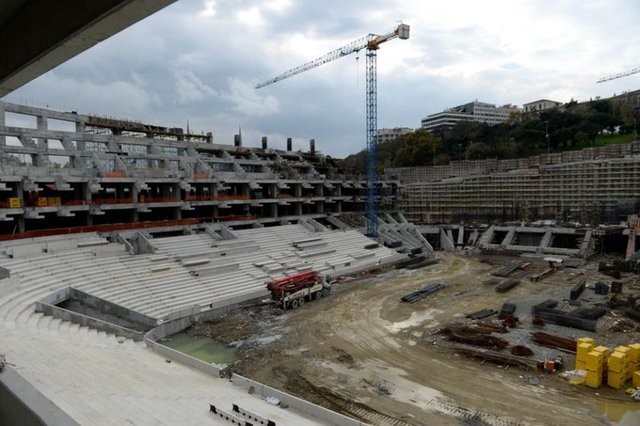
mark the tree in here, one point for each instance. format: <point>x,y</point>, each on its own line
<point>477,151</point>
<point>419,148</point>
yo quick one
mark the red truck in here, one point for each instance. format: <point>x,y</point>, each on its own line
<point>293,290</point>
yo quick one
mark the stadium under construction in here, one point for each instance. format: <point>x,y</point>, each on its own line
<point>117,234</point>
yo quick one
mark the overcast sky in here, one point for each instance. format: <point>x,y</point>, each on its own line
<point>199,61</point>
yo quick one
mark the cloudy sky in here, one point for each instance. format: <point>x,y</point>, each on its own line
<point>199,60</point>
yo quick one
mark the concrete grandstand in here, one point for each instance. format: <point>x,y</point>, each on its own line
<point>102,370</point>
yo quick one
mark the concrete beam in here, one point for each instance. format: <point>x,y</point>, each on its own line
<point>40,35</point>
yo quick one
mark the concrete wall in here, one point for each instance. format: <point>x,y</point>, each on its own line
<point>112,309</point>
<point>296,403</point>
<point>47,306</point>
<point>182,358</point>
<point>22,404</point>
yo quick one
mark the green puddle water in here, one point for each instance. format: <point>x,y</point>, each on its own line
<point>202,348</point>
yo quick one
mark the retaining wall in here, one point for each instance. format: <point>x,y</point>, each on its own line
<point>47,306</point>
<point>22,404</point>
<point>296,403</point>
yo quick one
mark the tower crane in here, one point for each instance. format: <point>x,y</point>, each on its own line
<point>619,75</point>
<point>372,43</point>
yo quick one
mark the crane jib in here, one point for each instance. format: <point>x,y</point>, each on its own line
<point>372,44</point>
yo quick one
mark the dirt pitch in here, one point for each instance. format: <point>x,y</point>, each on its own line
<point>363,353</point>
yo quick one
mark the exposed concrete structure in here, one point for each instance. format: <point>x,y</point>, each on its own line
<point>605,188</point>
<point>36,36</point>
<point>189,277</point>
<point>104,171</point>
<point>483,167</point>
<point>547,240</point>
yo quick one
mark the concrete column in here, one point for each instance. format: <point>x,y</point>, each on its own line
<point>508,239</point>
<point>546,239</point>
<point>178,213</point>
<point>445,241</point>
<point>81,145</point>
<point>20,194</point>
<point>41,159</point>
<point>3,123</point>
<point>297,190</point>
<point>20,224</point>
<point>461,235</point>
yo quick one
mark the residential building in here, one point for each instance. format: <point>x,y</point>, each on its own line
<point>482,112</point>
<point>540,105</point>
<point>386,135</point>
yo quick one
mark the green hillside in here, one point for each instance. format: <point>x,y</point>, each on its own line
<point>574,126</point>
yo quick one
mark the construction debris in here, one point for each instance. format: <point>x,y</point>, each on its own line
<point>507,310</point>
<point>473,336</point>
<point>481,314</point>
<point>491,281</point>
<point>495,357</point>
<point>507,269</point>
<point>601,288</point>
<point>551,341</point>
<point>507,285</point>
<point>548,271</point>
<point>421,294</point>
<point>520,350</point>
<point>577,290</point>
<point>546,311</point>
<point>422,264</point>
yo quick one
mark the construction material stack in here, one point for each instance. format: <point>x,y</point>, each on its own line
<point>614,367</point>
<point>618,368</point>
<point>595,368</point>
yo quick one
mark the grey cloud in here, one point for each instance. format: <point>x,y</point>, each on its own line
<point>178,65</point>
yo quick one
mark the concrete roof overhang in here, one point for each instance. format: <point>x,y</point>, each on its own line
<point>38,35</point>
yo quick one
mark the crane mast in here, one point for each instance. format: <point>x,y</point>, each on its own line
<point>372,44</point>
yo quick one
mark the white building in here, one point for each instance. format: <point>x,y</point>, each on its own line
<point>386,135</point>
<point>540,105</point>
<point>473,111</point>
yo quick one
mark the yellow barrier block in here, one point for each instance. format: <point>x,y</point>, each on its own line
<point>618,362</point>
<point>595,361</point>
<point>605,350</point>
<point>581,365</point>
<point>594,379</point>
<point>582,350</point>
<point>635,379</point>
<point>14,203</point>
<point>586,340</point>
<point>616,380</point>
<point>634,352</point>
<point>623,349</point>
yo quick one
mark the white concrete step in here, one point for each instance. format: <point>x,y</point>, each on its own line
<point>54,324</point>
